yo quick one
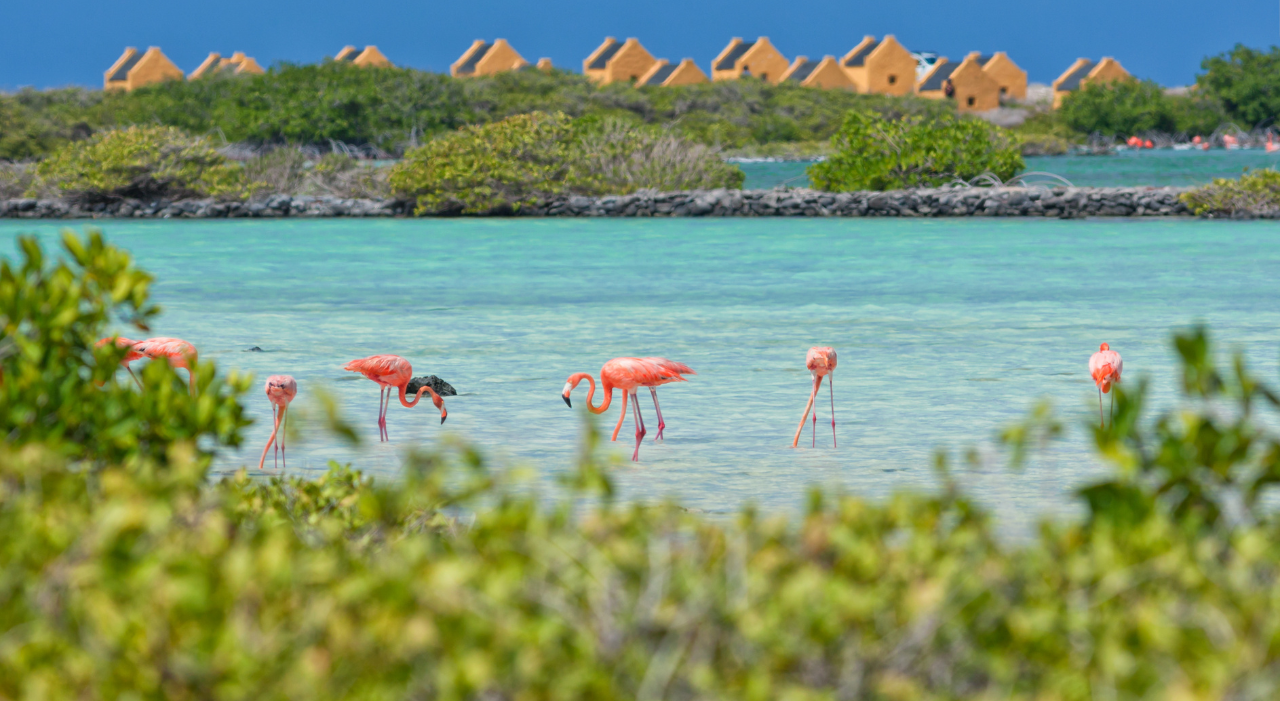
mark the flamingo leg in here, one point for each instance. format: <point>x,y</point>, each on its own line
<point>275,454</point>
<point>284,419</point>
<point>831,385</point>
<point>621,416</point>
<point>1113,409</point>
<point>191,378</point>
<point>1101,422</point>
<point>270,441</point>
<point>386,434</point>
<point>635,404</point>
<point>814,436</point>
<point>661,424</point>
<point>382,391</point>
<point>795,441</point>
<point>135,377</point>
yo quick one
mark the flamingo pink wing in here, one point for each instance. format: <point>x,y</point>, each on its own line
<point>386,369</point>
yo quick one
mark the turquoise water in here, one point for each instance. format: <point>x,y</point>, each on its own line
<point>947,330</point>
<point>1156,167</point>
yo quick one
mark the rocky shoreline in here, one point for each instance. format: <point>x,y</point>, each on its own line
<point>1063,202</point>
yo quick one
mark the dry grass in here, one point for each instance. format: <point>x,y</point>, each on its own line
<point>290,170</point>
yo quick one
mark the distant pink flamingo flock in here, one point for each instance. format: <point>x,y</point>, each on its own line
<point>628,374</point>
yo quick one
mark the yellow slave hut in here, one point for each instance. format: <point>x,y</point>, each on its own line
<point>974,90</point>
<point>134,70</point>
<point>237,64</point>
<point>615,61</point>
<point>1010,79</point>
<point>664,74</point>
<point>750,58</point>
<point>825,73</point>
<point>484,58</point>
<point>369,57</point>
<point>881,66</point>
<point>1083,72</point>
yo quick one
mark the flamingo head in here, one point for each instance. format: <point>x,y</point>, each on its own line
<point>569,384</point>
<point>1104,346</point>
<point>438,401</point>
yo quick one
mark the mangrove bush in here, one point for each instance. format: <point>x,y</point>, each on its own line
<point>872,152</point>
<point>140,162</point>
<point>1253,194</point>
<point>521,160</point>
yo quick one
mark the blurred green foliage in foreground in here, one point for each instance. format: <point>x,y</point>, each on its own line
<point>124,573</point>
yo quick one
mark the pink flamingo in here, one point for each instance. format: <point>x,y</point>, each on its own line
<point>131,355</point>
<point>1272,146</point>
<point>392,371</point>
<point>1105,367</point>
<point>281,389</point>
<point>178,352</point>
<point>821,361</point>
<point>626,374</point>
<point>674,371</point>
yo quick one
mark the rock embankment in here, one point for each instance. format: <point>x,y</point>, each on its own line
<point>1064,202</point>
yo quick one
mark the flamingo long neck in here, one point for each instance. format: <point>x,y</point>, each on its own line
<point>435,398</point>
<point>608,394</point>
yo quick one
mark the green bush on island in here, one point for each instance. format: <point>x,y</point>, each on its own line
<point>871,152</point>
<point>516,162</point>
<point>152,161</point>
<point>1253,194</point>
<point>125,572</point>
<point>1128,107</point>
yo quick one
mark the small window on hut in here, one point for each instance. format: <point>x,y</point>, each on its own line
<point>1003,91</point>
<point>972,100</point>
<point>893,79</point>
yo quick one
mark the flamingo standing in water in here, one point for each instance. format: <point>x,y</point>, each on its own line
<point>131,355</point>
<point>674,371</point>
<point>178,352</point>
<point>281,389</point>
<point>1105,367</point>
<point>626,374</point>
<point>821,361</point>
<point>1272,146</point>
<point>392,371</point>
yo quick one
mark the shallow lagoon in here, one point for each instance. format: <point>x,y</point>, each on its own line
<point>1158,168</point>
<point>947,330</point>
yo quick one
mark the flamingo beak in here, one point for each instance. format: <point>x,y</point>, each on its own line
<point>443,416</point>
<point>568,403</point>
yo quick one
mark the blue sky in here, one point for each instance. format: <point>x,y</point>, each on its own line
<point>55,43</point>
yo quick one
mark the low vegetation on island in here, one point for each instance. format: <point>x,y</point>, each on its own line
<point>871,152</point>
<point>127,571</point>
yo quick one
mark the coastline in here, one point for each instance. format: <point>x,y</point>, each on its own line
<point>1061,202</point>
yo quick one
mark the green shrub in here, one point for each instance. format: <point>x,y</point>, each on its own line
<point>521,160</point>
<point>141,162</point>
<point>1246,81</point>
<point>34,123</point>
<point>1254,193</point>
<point>125,574</point>
<point>871,152</point>
<point>1128,107</point>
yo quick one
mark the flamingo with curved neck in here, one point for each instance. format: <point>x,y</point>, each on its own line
<point>626,374</point>
<point>392,371</point>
